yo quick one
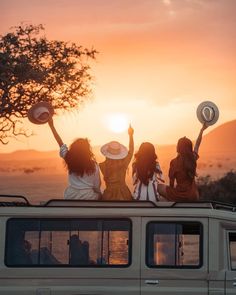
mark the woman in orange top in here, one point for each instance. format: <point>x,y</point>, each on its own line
<point>183,171</point>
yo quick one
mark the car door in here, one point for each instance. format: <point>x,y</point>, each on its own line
<point>231,272</point>
<point>174,256</point>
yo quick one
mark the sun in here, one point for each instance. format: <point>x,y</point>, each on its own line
<point>117,122</point>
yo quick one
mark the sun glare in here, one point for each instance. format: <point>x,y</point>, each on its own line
<point>117,122</point>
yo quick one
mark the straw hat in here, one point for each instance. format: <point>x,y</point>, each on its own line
<point>40,113</point>
<point>114,150</point>
<point>208,113</point>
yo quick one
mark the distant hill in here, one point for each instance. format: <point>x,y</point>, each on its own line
<point>27,155</point>
<point>221,139</point>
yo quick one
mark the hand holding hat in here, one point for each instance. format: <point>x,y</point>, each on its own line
<point>207,113</point>
<point>40,113</point>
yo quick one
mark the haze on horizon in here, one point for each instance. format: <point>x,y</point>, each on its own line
<point>157,61</point>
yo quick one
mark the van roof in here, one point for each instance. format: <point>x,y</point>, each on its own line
<point>17,200</point>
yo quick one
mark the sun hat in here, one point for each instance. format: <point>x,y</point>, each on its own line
<point>40,113</point>
<point>208,113</point>
<point>114,150</point>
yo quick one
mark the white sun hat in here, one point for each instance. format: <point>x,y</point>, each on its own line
<point>40,113</point>
<point>114,150</point>
<point>208,113</point>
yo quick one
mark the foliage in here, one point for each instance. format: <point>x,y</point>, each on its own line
<point>222,190</point>
<point>34,69</point>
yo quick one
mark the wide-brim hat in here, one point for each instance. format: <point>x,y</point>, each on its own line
<point>40,113</point>
<point>114,150</point>
<point>208,113</point>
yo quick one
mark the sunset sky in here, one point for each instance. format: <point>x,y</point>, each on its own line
<point>158,59</point>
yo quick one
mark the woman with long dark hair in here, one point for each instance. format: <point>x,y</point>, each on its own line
<point>146,174</point>
<point>183,171</point>
<point>84,177</point>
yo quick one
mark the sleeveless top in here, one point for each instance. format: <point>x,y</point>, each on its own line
<point>148,192</point>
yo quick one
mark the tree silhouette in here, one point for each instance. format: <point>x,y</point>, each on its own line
<point>34,69</point>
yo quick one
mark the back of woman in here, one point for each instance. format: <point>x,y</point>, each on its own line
<point>185,188</point>
<point>114,169</point>
<point>83,171</point>
<point>182,172</point>
<point>83,178</point>
<point>146,174</point>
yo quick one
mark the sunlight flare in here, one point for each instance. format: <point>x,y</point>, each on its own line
<point>117,122</point>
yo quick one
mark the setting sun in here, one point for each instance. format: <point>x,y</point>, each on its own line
<point>117,122</point>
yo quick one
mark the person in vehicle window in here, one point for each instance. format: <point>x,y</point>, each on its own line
<point>84,177</point>
<point>79,251</point>
<point>183,171</point>
<point>114,169</point>
<point>19,250</point>
<point>146,173</point>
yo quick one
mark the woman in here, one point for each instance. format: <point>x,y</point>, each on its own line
<point>183,171</point>
<point>146,174</point>
<point>84,178</point>
<point>114,169</point>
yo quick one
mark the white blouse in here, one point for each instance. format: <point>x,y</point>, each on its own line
<point>87,181</point>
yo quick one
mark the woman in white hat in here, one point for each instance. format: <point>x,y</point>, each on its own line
<point>114,169</point>
<point>84,177</point>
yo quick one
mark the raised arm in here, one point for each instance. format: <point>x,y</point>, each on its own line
<point>54,132</point>
<point>131,145</point>
<point>199,139</point>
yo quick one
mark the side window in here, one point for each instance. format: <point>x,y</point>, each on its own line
<point>232,247</point>
<point>174,245</point>
<point>68,242</point>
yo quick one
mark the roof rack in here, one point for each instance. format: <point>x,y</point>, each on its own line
<point>139,204</point>
<point>114,204</point>
<point>7,202</point>
<point>100,204</point>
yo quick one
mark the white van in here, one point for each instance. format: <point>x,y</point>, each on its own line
<point>112,248</point>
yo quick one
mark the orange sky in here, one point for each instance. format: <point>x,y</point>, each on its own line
<point>158,60</point>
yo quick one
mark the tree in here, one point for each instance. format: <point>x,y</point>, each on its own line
<point>34,69</point>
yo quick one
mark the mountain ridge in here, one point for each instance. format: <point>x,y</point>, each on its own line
<point>219,140</point>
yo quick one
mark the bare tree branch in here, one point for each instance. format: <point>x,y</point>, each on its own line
<point>34,69</point>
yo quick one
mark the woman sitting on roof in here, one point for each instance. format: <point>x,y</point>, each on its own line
<point>183,171</point>
<point>84,177</point>
<point>146,174</point>
<point>114,169</point>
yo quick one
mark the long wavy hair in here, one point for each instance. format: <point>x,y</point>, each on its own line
<point>145,162</point>
<point>185,151</point>
<point>79,159</point>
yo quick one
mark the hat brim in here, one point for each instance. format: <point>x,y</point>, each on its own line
<point>32,110</point>
<point>122,154</point>
<point>200,116</point>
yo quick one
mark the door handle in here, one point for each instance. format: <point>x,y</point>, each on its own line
<point>151,282</point>
<point>234,284</point>
<point>43,291</point>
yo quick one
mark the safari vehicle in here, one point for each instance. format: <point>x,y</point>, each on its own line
<point>99,248</point>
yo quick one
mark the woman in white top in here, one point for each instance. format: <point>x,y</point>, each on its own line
<point>84,177</point>
<point>146,174</point>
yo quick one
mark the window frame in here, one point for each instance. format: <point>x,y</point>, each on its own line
<point>200,265</point>
<point>130,235</point>
<point>229,250</point>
